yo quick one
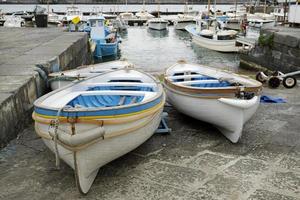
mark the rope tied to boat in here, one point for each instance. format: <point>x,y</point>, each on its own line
<point>55,124</point>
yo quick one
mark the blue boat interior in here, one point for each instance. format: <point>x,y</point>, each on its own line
<point>220,84</point>
<point>96,101</point>
<point>217,84</point>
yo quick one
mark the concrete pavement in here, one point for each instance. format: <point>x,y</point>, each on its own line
<point>193,162</point>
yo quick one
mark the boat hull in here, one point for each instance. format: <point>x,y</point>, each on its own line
<point>229,118</point>
<point>212,44</point>
<point>216,45</point>
<point>87,161</point>
<point>158,25</point>
<point>105,49</point>
<point>181,25</point>
<point>54,85</point>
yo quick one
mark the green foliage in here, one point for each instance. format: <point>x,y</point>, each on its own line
<point>266,40</point>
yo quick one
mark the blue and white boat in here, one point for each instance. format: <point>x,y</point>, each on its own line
<point>92,122</point>
<point>106,41</point>
<point>222,98</point>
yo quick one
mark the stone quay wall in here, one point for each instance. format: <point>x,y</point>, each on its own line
<point>278,49</point>
<point>27,55</point>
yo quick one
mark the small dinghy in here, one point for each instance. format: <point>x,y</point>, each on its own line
<point>92,122</point>
<point>158,24</point>
<point>219,97</point>
<point>63,78</point>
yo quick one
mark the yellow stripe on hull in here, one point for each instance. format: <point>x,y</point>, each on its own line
<point>40,117</point>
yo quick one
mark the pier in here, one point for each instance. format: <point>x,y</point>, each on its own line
<point>27,56</point>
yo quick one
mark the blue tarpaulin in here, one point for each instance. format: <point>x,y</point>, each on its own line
<point>270,99</point>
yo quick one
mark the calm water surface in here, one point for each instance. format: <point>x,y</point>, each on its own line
<point>154,51</point>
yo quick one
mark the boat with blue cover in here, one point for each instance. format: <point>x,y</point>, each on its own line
<point>106,41</point>
<point>94,121</point>
<point>222,98</point>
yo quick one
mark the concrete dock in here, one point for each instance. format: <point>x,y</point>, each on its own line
<point>27,55</point>
<point>193,162</point>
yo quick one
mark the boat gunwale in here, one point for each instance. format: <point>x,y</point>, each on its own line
<point>187,28</point>
<point>211,90</point>
<point>55,74</point>
<point>159,94</point>
<point>116,119</point>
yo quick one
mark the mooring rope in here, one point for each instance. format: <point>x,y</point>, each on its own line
<point>56,124</point>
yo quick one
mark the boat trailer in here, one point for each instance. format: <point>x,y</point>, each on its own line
<point>288,80</point>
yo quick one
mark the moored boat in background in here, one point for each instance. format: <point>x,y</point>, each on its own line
<point>213,38</point>
<point>219,97</point>
<point>106,41</point>
<point>182,21</point>
<point>71,13</point>
<point>157,24</point>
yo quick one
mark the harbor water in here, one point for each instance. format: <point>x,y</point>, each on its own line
<point>154,51</point>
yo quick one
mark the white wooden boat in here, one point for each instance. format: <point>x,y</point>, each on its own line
<point>219,97</point>
<point>157,24</point>
<point>221,40</point>
<point>60,79</point>
<point>95,121</point>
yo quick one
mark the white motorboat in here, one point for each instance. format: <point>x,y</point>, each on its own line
<point>259,23</point>
<point>237,13</point>
<point>73,12</point>
<point>157,24</point>
<point>182,21</point>
<point>127,16</point>
<point>92,122</point>
<point>15,20</point>
<point>217,40</point>
<point>57,80</point>
<point>185,19</point>
<point>219,97</point>
<point>54,18</point>
<point>119,24</point>
<point>144,15</point>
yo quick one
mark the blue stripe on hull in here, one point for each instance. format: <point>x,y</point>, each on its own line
<point>110,112</point>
